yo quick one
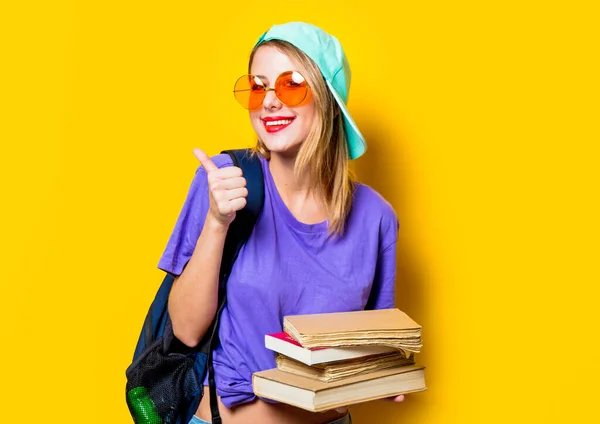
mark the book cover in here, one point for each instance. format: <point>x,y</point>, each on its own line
<point>316,396</point>
<point>382,327</point>
<point>284,344</point>
<point>379,320</point>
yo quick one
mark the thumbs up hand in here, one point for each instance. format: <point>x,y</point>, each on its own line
<point>226,187</point>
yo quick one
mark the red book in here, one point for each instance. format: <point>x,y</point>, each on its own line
<point>284,344</point>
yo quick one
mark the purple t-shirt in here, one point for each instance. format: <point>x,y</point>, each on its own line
<point>287,268</point>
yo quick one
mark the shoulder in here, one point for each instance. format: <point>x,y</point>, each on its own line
<point>368,200</point>
<point>373,211</point>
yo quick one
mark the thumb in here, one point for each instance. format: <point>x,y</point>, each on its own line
<point>206,162</point>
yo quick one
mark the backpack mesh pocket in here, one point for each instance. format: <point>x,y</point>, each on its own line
<point>161,385</point>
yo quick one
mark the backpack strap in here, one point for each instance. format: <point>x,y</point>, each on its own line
<point>238,233</point>
<point>243,224</point>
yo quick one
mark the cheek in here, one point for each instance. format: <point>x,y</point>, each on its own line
<point>308,116</point>
<point>308,99</point>
<point>255,120</point>
<point>308,111</point>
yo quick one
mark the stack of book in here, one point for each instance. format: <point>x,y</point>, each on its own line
<point>326,361</point>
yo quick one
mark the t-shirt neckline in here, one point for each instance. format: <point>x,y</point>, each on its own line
<point>290,219</point>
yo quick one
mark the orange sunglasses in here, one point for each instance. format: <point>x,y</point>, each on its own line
<point>291,89</point>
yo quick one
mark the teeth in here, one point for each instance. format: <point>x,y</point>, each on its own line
<point>280,122</point>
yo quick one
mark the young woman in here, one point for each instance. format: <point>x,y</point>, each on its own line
<point>323,243</point>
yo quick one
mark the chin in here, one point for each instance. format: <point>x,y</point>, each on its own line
<point>281,145</point>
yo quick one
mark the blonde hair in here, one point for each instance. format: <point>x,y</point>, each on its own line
<point>324,154</point>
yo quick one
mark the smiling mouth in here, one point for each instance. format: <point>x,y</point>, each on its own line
<point>273,126</point>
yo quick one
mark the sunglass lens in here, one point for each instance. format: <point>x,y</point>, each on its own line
<point>291,88</point>
<point>249,91</point>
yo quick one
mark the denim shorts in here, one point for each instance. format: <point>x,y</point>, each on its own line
<point>346,419</point>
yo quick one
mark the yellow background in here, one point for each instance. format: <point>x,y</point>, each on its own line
<point>482,123</point>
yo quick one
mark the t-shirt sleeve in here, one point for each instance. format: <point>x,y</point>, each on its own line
<point>383,290</point>
<point>188,227</point>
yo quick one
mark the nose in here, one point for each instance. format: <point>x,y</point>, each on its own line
<point>271,101</point>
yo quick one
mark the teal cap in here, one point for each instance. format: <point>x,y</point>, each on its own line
<point>326,51</point>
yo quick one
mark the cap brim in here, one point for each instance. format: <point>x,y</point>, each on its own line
<point>356,142</point>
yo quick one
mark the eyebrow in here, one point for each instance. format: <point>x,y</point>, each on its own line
<point>265,79</point>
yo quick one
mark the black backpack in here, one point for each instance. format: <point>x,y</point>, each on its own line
<point>164,380</point>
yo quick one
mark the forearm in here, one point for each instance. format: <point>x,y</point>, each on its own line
<point>193,297</point>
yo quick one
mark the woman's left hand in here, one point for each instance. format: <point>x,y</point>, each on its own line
<point>398,398</point>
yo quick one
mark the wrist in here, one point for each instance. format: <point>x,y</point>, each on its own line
<point>215,225</point>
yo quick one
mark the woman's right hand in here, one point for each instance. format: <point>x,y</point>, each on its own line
<point>226,187</point>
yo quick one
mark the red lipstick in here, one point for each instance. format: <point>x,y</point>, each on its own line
<point>274,124</point>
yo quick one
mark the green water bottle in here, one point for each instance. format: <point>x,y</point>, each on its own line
<point>142,407</point>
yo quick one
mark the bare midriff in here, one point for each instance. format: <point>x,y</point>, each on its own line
<point>261,412</point>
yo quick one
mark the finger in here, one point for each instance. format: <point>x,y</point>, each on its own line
<point>227,206</point>
<point>227,172</point>
<point>398,398</point>
<point>236,192</point>
<point>206,162</point>
<point>229,183</point>
<point>237,204</point>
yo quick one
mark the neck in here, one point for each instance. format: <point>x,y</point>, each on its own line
<point>282,169</point>
<point>296,192</point>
